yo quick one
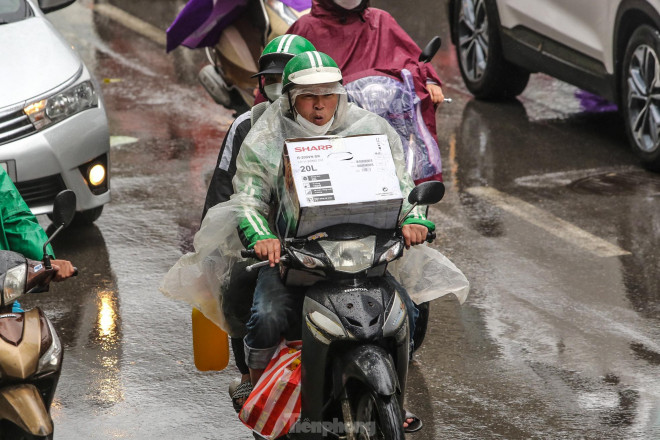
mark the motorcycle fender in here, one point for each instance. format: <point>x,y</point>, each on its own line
<point>369,364</point>
<point>23,406</point>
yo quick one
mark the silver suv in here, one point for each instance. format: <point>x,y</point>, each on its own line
<point>53,126</point>
<point>608,47</point>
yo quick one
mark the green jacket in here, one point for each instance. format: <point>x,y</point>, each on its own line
<point>19,230</point>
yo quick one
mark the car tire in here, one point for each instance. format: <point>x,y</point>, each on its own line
<point>485,72</point>
<point>87,217</point>
<point>641,65</point>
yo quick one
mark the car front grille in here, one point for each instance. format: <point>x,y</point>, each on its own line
<point>14,125</point>
<point>42,191</point>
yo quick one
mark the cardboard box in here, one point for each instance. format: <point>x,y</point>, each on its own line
<point>330,181</point>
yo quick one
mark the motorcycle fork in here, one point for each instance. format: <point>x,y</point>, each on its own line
<point>347,414</point>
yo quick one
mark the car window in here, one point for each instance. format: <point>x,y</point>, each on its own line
<point>14,10</point>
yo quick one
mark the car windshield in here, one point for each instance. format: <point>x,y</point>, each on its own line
<point>14,10</point>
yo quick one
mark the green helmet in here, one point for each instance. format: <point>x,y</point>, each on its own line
<point>310,68</point>
<point>279,51</point>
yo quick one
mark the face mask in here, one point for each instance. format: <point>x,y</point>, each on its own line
<point>348,4</point>
<point>273,91</point>
<point>317,130</point>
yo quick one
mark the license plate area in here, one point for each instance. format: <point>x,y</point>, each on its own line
<point>10,167</point>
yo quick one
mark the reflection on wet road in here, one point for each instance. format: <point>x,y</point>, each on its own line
<point>555,341</point>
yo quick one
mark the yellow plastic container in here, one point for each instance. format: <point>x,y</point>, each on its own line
<point>210,343</point>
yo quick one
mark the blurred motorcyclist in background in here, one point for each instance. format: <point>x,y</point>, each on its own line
<point>20,231</point>
<point>366,41</point>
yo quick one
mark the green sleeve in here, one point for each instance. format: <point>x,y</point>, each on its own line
<point>419,218</point>
<point>21,231</point>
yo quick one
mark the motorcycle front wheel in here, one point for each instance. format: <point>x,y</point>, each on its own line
<point>378,417</point>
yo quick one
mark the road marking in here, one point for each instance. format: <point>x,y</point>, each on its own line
<point>133,23</point>
<point>548,222</point>
<point>117,141</point>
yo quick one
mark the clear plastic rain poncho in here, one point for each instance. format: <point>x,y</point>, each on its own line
<point>200,277</point>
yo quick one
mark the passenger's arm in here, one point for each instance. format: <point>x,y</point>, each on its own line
<point>252,186</point>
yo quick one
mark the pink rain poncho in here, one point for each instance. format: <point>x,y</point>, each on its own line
<point>365,43</point>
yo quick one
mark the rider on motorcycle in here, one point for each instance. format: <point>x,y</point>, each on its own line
<point>20,231</point>
<point>238,294</point>
<point>314,103</point>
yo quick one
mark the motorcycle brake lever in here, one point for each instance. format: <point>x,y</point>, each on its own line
<point>250,268</point>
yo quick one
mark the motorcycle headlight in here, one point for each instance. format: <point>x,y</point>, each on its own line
<point>391,253</point>
<point>396,316</point>
<point>50,360</point>
<point>73,100</point>
<point>327,325</point>
<point>308,261</point>
<point>350,256</point>
<point>14,285</point>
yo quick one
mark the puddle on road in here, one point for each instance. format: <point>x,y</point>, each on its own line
<point>618,183</point>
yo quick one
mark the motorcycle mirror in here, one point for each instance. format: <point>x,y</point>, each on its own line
<point>53,5</point>
<point>427,193</point>
<point>64,208</point>
<point>430,50</point>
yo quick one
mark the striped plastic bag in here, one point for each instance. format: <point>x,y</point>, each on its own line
<point>274,404</point>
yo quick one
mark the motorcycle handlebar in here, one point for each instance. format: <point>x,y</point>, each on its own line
<point>248,253</point>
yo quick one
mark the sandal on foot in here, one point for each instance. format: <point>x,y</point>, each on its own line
<point>413,426</point>
<point>239,391</point>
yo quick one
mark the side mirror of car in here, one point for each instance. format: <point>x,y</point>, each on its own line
<point>430,50</point>
<point>53,5</point>
<point>427,193</point>
<point>64,208</point>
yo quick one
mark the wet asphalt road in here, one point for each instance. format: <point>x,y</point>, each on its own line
<point>559,337</point>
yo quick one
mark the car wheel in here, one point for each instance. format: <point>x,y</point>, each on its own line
<point>88,217</point>
<point>479,50</point>
<point>640,94</point>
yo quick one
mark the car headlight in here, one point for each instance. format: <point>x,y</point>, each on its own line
<point>308,261</point>
<point>73,100</point>
<point>350,256</point>
<point>14,285</point>
<point>50,360</point>
<point>391,253</point>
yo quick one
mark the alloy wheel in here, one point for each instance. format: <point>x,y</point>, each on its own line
<point>644,98</point>
<point>473,38</point>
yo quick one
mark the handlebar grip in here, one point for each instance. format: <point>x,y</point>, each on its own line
<point>430,237</point>
<point>248,253</point>
<point>75,272</point>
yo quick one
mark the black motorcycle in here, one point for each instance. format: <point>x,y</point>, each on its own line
<point>355,328</point>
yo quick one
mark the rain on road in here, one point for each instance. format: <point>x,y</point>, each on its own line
<point>548,214</point>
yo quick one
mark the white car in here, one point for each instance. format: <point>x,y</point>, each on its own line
<point>53,125</point>
<point>607,47</point>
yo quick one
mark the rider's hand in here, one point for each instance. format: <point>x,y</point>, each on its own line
<point>268,249</point>
<point>414,234</point>
<point>64,269</point>
<point>436,93</point>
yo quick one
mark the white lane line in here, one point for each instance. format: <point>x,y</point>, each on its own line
<point>548,222</point>
<point>133,23</point>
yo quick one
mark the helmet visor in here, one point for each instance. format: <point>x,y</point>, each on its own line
<point>333,88</point>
